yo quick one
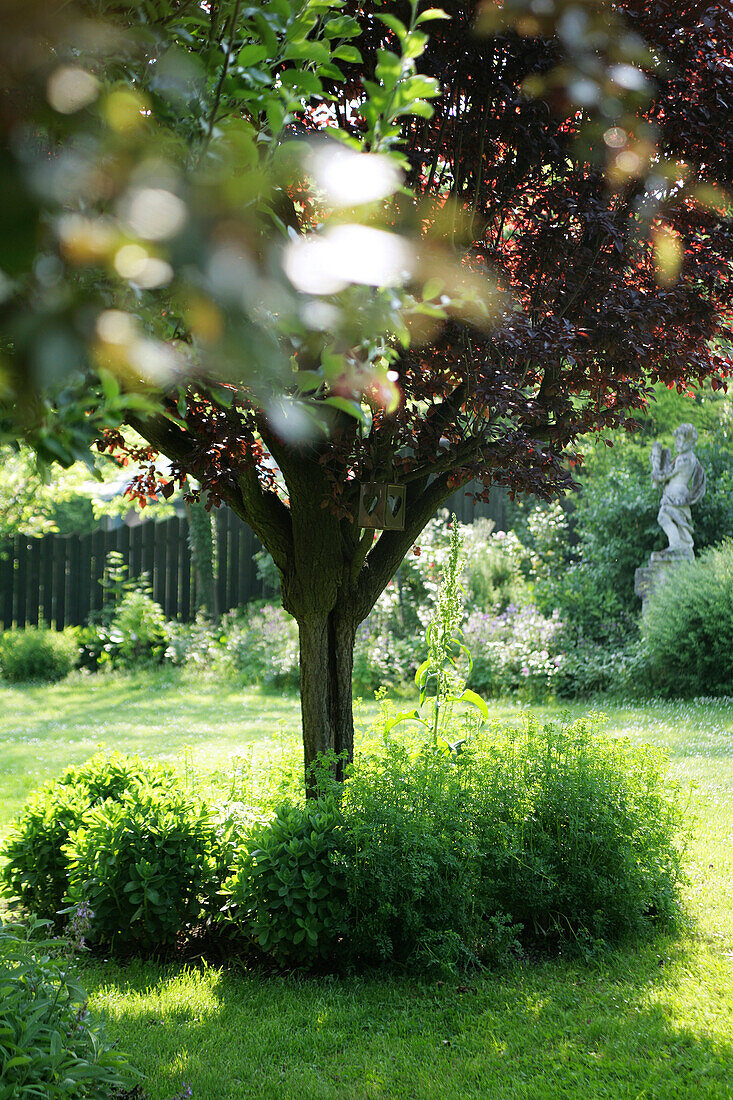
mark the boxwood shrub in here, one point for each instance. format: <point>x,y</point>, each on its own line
<point>688,627</point>
<point>145,864</point>
<point>287,890</point>
<point>35,868</point>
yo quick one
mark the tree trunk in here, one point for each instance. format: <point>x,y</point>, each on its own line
<point>326,665</point>
<point>331,573</point>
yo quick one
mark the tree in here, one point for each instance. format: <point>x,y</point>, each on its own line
<point>612,288</point>
<point>579,199</point>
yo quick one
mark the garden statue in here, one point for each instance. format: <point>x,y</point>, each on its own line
<point>684,485</point>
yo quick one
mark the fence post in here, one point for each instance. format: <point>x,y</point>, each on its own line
<point>7,587</point>
<point>222,560</point>
<point>21,575</point>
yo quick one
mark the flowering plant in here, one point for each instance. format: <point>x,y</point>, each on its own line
<point>515,651</point>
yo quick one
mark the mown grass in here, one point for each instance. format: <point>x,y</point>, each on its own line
<point>652,1021</point>
<point>159,714</point>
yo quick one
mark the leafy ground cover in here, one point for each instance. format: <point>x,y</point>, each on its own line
<point>650,1022</point>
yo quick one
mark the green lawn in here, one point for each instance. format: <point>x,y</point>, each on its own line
<point>652,1022</point>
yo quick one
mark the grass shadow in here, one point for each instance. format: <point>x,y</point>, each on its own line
<point>558,1029</point>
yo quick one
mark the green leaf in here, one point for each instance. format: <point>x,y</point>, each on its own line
<point>308,380</point>
<point>347,53</point>
<point>419,108</point>
<point>283,8</point>
<point>431,13</point>
<point>353,408</point>
<point>403,716</point>
<point>276,115</point>
<point>251,55</point>
<point>18,1060</point>
<point>421,671</point>
<point>333,362</point>
<point>389,67</point>
<point>333,72</point>
<point>393,23</point>
<point>307,50</point>
<point>469,696</point>
<point>266,33</point>
<point>343,26</point>
<point>110,385</point>
<point>414,45</point>
<point>428,310</point>
<point>425,86</point>
<point>433,287</point>
<point>302,83</point>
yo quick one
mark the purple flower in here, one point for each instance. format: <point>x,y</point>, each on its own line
<point>80,925</point>
<point>184,1094</point>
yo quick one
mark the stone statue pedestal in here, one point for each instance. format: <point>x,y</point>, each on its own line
<point>662,564</point>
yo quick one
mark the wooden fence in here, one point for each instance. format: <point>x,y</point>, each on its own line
<point>55,579</point>
<point>466,510</point>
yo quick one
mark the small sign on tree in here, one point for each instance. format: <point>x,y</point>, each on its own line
<point>382,506</point>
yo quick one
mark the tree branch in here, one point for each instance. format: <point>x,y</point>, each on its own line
<point>450,461</point>
<point>263,511</point>
<point>222,75</point>
<point>446,411</point>
<point>266,514</point>
<point>162,433</point>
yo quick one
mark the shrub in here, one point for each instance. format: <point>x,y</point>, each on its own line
<point>412,885</point>
<point>592,842</point>
<point>538,836</point>
<point>49,1047</point>
<point>145,865</point>
<point>96,647</point>
<point>37,654</point>
<point>193,643</point>
<point>139,632</point>
<point>130,629</point>
<point>381,657</point>
<point>688,627</point>
<point>287,890</point>
<point>35,870</point>
<point>136,635</point>
<point>588,668</point>
<point>261,643</point>
<point>494,574</point>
